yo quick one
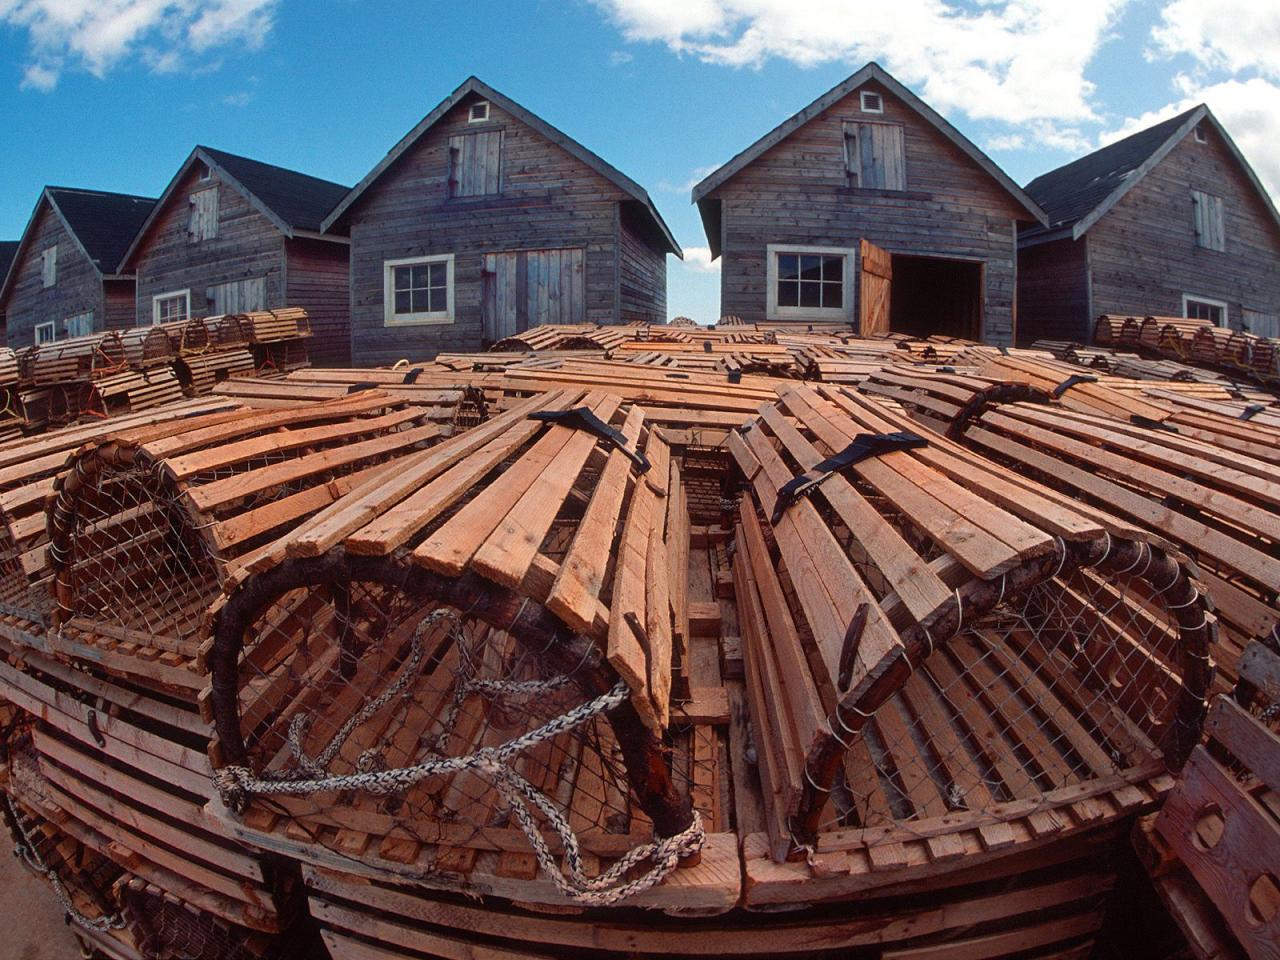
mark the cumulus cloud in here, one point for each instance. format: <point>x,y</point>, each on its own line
<point>699,260</point>
<point>1249,109</point>
<point>1009,60</point>
<point>1231,35</point>
<point>97,35</point>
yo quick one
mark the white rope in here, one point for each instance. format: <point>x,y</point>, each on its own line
<point>26,849</point>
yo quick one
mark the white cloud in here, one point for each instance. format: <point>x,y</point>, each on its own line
<point>241,99</point>
<point>699,260</point>
<point>1249,109</point>
<point>1010,60</point>
<point>1232,35</point>
<point>698,175</point>
<point>620,58</point>
<point>1042,133</point>
<point>97,35</point>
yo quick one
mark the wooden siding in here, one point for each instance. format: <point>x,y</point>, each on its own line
<point>120,298</point>
<point>78,288</point>
<point>1053,292</point>
<point>318,278</point>
<point>1143,253</point>
<point>795,193</point>
<point>549,200</point>
<point>247,245</point>
<point>531,287</point>
<point>642,275</point>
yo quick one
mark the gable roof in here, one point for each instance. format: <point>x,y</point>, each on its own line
<point>101,224</point>
<point>1078,194</point>
<point>294,202</point>
<point>473,85</point>
<point>872,71</point>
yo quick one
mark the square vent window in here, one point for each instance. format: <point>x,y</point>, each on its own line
<point>479,112</point>
<point>872,102</point>
<point>1200,135</point>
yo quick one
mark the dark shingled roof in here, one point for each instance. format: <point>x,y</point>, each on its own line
<point>8,250</point>
<point>104,223</point>
<point>1073,191</point>
<point>299,200</point>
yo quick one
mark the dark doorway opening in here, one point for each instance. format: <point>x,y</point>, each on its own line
<point>932,296</point>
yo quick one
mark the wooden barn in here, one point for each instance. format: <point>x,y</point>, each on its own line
<point>1171,221</point>
<point>63,281</point>
<point>868,207</point>
<point>8,250</point>
<point>486,220</point>
<point>230,234</point>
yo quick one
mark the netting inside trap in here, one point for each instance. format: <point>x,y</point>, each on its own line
<point>1077,679</point>
<point>165,928</point>
<point>358,679</point>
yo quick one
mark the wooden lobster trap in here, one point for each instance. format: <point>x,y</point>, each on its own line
<point>461,675</point>
<point>945,660</point>
<point>146,524</point>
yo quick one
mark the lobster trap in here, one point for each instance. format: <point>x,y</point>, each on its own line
<point>146,525</point>
<point>932,640</point>
<point>462,675</point>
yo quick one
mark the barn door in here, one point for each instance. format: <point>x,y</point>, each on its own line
<point>531,287</point>
<point>239,296</point>
<point>875,280</point>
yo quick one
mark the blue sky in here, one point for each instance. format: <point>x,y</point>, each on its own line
<point>113,94</point>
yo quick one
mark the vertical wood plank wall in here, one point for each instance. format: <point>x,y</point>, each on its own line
<point>1053,292</point>
<point>247,245</point>
<point>549,200</point>
<point>78,288</point>
<point>796,193</point>
<point>317,278</point>
<point>1144,254</point>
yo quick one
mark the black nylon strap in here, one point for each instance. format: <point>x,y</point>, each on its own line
<point>413,375</point>
<point>1071,381</point>
<point>362,386</point>
<point>706,346</point>
<point>1004,351</point>
<point>583,419</point>
<point>864,446</point>
<point>735,376</point>
<point>1139,420</point>
<point>1252,410</point>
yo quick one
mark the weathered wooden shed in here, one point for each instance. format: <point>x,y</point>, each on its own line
<point>867,206</point>
<point>230,235</point>
<point>1171,221</point>
<point>8,250</point>
<point>63,280</point>
<point>486,220</point>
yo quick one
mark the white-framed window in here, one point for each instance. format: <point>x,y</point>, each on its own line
<point>49,266</point>
<point>418,290</point>
<point>870,101</point>
<point>171,307</point>
<point>809,282</point>
<point>205,172</point>
<point>1196,307</point>
<point>479,112</point>
<point>81,325</point>
<point>1200,135</point>
<point>46,332</point>
<point>204,215</point>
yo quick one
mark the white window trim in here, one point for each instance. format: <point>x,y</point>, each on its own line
<point>775,312</point>
<point>862,101</point>
<point>1200,136</point>
<point>51,326</point>
<point>423,318</point>
<point>1209,301</point>
<point>155,303</point>
<point>472,118</point>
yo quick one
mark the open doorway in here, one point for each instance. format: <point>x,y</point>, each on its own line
<point>933,296</point>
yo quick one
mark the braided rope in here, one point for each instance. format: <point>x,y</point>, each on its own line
<point>26,849</point>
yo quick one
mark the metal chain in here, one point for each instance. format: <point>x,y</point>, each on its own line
<point>26,849</point>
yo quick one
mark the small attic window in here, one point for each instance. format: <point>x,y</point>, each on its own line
<point>479,112</point>
<point>871,102</point>
<point>1200,135</point>
<point>205,172</point>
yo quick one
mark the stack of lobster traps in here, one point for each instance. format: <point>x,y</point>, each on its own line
<point>562,654</point>
<point>1200,342</point>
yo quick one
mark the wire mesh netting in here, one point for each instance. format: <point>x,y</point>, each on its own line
<point>1075,681</point>
<point>360,677</point>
